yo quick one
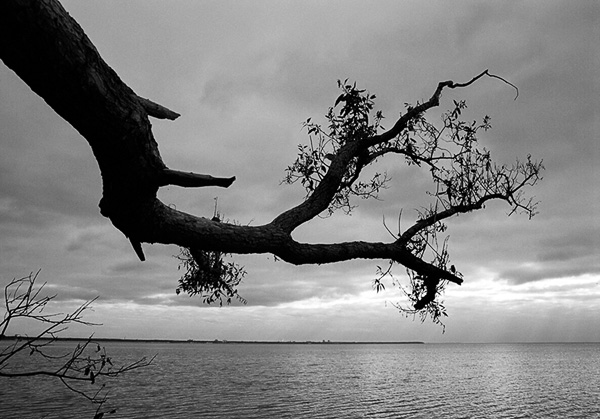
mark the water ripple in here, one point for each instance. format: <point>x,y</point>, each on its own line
<point>335,381</point>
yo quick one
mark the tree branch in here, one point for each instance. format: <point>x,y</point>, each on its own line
<point>22,300</point>
<point>442,215</point>
<point>158,111</point>
<point>332,182</point>
<point>170,226</point>
<point>191,180</point>
<point>433,101</point>
<point>137,248</point>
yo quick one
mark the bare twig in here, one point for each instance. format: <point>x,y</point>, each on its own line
<point>87,363</point>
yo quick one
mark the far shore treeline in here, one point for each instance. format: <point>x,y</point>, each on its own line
<point>217,341</point>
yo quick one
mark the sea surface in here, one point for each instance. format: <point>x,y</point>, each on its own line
<point>194,380</point>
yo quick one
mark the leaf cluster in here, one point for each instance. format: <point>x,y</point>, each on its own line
<point>208,275</point>
<point>349,120</point>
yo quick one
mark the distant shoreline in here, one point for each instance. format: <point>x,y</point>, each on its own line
<point>217,341</point>
<point>286,342</point>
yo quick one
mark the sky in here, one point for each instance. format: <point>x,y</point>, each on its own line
<point>244,76</point>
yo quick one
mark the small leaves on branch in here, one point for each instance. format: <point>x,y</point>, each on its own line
<point>347,123</point>
<point>463,175</point>
<point>208,275</point>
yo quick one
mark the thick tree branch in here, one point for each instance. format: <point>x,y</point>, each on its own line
<point>321,197</point>
<point>46,48</point>
<point>170,226</point>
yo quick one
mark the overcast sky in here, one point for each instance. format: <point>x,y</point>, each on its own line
<point>244,75</point>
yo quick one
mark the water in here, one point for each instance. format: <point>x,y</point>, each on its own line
<point>333,381</point>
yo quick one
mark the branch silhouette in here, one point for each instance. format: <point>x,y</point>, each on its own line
<point>84,370</point>
<point>50,52</point>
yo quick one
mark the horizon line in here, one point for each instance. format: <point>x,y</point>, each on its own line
<point>298,342</point>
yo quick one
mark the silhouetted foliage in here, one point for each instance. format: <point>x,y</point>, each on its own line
<point>350,123</point>
<point>463,176</point>
<point>209,276</point>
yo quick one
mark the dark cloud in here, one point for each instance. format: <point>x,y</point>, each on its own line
<point>71,293</point>
<point>82,240</point>
<point>46,168</point>
<point>130,266</point>
<point>552,270</point>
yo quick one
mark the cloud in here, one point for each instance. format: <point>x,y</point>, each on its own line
<point>530,272</point>
<point>81,238</point>
<point>45,165</point>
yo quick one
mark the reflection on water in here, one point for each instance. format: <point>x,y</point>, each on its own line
<point>334,381</point>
